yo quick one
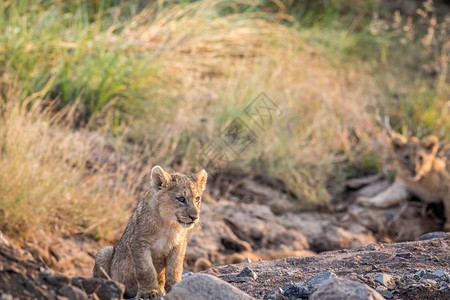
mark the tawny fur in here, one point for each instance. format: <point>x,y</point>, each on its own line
<point>148,259</point>
<point>420,172</point>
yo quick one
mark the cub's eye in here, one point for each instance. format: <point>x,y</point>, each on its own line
<point>181,199</point>
<point>421,159</point>
<point>406,157</point>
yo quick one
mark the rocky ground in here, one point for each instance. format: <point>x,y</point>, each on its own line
<point>409,270</point>
<point>261,223</point>
<point>246,218</point>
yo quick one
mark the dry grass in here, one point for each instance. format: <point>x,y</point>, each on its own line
<point>176,77</point>
<point>52,179</point>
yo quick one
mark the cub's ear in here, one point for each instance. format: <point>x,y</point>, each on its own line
<point>398,141</point>
<point>430,144</point>
<point>201,178</point>
<point>159,178</point>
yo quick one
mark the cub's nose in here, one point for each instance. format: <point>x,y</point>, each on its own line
<point>193,218</point>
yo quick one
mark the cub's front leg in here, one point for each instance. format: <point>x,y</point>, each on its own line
<point>395,194</point>
<point>174,266</point>
<point>144,271</point>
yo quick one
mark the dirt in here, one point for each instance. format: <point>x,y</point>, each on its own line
<point>411,265</point>
<point>246,218</point>
<point>363,264</point>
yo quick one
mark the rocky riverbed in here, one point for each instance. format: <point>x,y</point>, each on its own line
<point>409,270</point>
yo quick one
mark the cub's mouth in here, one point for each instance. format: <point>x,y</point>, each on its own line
<point>185,224</point>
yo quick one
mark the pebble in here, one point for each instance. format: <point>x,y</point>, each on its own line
<point>57,279</point>
<point>419,274</point>
<point>306,287</point>
<point>432,235</point>
<point>439,273</point>
<point>246,260</point>
<point>386,280</point>
<point>186,274</point>
<point>387,294</point>
<point>72,292</point>
<point>234,278</point>
<point>247,272</point>
<point>428,281</point>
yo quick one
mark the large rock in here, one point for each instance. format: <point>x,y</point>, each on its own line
<point>205,287</point>
<point>325,232</point>
<point>257,225</point>
<point>344,289</point>
<point>252,230</point>
<point>102,288</point>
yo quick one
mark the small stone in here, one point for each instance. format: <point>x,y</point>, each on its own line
<point>6,296</point>
<point>247,272</point>
<point>47,272</point>
<point>306,287</point>
<point>432,235</point>
<point>381,288</point>
<point>386,280</point>
<point>387,294</point>
<point>57,279</point>
<point>317,279</point>
<point>419,274</point>
<point>428,282</point>
<point>186,274</point>
<point>234,278</point>
<point>439,273</point>
<point>295,291</point>
<point>246,260</point>
<point>404,254</point>
<point>102,288</point>
<point>72,292</point>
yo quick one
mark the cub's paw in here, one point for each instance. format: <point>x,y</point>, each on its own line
<point>366,201</point>
<point>152,294</point>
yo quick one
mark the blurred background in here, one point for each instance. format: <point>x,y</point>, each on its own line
<point>95,93</point>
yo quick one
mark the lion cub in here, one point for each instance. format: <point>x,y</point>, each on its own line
<point>148,259</point>
<point>420,173</point>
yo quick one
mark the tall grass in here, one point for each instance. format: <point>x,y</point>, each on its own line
<point>161,82</point>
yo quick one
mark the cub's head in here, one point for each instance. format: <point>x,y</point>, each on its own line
<point>179,196</point>
<point>415,157</point>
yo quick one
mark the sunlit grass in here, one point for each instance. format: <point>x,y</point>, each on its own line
<point>162,82</point>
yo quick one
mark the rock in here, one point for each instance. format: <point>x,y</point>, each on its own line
<point>247,272</point>
<point>235,278</point>
<point>186,274</point>
<point>295,291</point>
<point>429,282</point>
<point>438,274</point>
<point>257,225</point>
<point>419,274</point>
<point>387,294</point>
<point>432,235</point>
<point>386,280</point>
<point>205,287</point>
<point>102,288</point>
<point>306,287</point>
<point>246,260</point>
<point>72,292</point>
<point>57,279</point>
<point>343,289</point>
<point>6,296</point>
